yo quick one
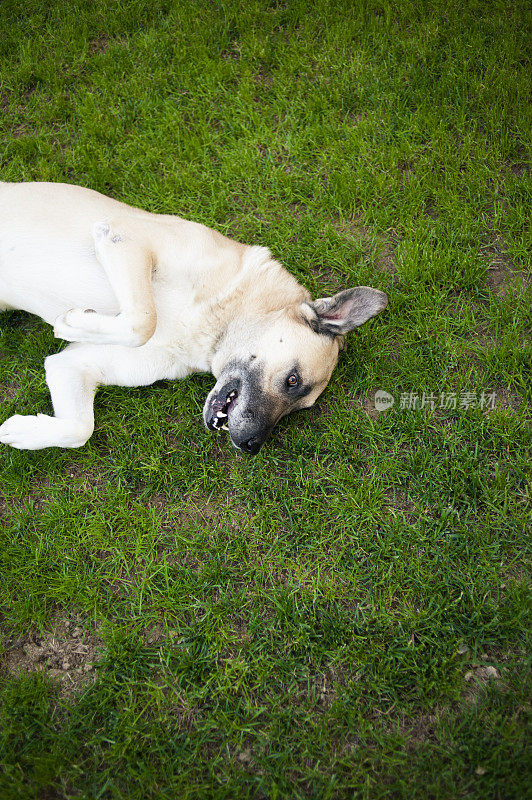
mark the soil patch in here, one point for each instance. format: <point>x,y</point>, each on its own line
<point>99,44</point>
<point>398,502</point>
<point>477,678</point>
<point>67,653</point>
<point>8,391</point>
<point>385,256</point>
<point>502,272</point>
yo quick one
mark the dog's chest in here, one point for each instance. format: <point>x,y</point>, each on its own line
<point>183,328</point>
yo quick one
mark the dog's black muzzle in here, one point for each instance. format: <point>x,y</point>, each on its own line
<point>253,444</point>
<point>242,409</point>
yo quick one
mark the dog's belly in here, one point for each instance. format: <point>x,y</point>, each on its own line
<point>47,259</point>
<point>47,278</point>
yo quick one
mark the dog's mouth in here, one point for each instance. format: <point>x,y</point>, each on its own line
<point>219,410</point>
<point>239,407</point>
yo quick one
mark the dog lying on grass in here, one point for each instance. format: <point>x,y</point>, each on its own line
<point>145,297</point>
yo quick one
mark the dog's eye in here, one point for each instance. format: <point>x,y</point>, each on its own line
<point>292,381</point>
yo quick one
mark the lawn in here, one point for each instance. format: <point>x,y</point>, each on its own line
<point>346,614</point>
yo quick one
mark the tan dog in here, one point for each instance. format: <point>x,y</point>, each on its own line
<point>151,296</point>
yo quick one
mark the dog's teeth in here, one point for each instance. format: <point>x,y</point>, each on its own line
<point>221,415</point>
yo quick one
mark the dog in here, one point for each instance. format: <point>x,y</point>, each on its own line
<point>144,297</point>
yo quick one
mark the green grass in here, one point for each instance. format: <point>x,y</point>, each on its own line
<point>317,608</point>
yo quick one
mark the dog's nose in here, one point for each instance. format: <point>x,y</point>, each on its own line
<point>252,446</point>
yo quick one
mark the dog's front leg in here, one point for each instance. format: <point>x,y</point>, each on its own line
<point>73,376</point>
<point>128,263</point>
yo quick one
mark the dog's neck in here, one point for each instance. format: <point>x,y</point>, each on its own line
<point>235,319</point>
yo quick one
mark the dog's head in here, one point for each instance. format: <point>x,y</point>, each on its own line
<point>281,362</point>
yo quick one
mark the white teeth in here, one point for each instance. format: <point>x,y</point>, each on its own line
<point>219,422</point>
<point>217,425</point>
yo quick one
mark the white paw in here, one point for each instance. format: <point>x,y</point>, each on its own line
<point>102,233</point>
<point>75,326</point>
<point>85,325</point>
<point>37,432</point>
<point>100,230</point>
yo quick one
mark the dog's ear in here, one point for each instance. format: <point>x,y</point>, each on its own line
<point>346,310</point>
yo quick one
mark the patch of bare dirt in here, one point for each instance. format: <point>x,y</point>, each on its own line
<point>422,728</point>
<point>385,245</point>
<point>386,258</point>
<point>158,502</point>
<point>430,210</point>
<point>328,281</point>
<point>263,78</point>
<point>234,52</point>
<point>39,497</point>
<point>193,507</point>
<point>519,168</point>
<point>281,158</point>
<point>37,500</point>
<point>326,687</point>
<point>369,408</point>
<point>506,399</point>
<point>522,280</point>
<point>83,478</point>
<point>477,678</point>
<point>502,272</point>
<point>20,131</point>
<point>99,44</point>
<point>67,653</point>
<point>369,404</point>
<point>405,166</point>
<point>398,502</point>
<point>155,635</point>
<point>418,729</point>
<point>518,574</point>
<point>9,391</point>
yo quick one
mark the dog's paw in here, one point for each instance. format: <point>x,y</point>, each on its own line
<point>37,432</point>
<point>75,326</point>
<point>85,325</point>
<point>26,433</point>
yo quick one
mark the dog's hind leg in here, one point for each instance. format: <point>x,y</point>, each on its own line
<point>73,377</point>
<point>128,264</point>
